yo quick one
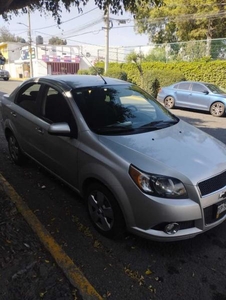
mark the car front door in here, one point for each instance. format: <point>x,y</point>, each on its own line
<point>199,97</point>
<point>57,153</point>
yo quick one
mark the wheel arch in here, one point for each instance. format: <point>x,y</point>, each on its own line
<point>92,180</point>
<point>8,132</point>
<point>216,102</point>
<point>118,193</point>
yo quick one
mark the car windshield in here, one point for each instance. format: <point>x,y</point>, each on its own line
<point>215,89</point>
<point>121,109</point>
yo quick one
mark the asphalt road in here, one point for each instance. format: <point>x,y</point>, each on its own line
<point>131,268</point>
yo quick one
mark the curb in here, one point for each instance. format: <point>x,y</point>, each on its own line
<point>72,272</point>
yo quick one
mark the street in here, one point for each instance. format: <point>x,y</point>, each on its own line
<point>132,267</point>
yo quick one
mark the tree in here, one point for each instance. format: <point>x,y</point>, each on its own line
<point>6,36</point>
<point>183,20</point>
<point>9,7</point>
<point>137,59</point>
<point>57,41</point>
<point>157,54</point>
<point>192,50</point>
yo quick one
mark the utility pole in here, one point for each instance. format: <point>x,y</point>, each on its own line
<point>106,40</point>
<point>30,43</point>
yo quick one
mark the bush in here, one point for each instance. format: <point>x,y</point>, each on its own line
<point>83,72</point>
<point>116,73</point>
<point>154,79</point>
<point>96,70</point>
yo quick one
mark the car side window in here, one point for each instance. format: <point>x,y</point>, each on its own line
<point>28,97</point>
<point>56,109</point>
<point>198,87</point>
<point>184,86</point>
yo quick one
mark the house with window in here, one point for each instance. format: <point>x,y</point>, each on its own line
<point>48,59</point>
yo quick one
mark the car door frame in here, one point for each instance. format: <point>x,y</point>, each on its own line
<point>22,120</point>
<point>182,95</point>
<point>52,147</point>
<point>204,98</point>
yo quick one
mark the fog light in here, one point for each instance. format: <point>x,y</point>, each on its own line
<point>172,228</point>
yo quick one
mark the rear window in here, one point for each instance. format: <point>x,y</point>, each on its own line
<point>183,86</point>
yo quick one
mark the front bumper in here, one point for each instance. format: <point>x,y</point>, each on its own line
<point>193,216</point>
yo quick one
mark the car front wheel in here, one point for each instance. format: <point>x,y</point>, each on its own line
<point>104,211</point>
<point>14,150</point>
<point>6,78</point>
<point>169,102</point>
<point>217,109</point>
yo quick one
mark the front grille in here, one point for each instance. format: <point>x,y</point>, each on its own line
<point>213,184</point>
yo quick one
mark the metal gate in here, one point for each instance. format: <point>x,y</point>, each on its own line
<point>59,68</point>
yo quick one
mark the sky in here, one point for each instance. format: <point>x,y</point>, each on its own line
<point>79,28</point>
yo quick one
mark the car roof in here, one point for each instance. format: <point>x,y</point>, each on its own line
<point>78,81</point>
<point>193,81</point>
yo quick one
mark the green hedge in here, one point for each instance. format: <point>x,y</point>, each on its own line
<point>116,73</point>
<point>167,73</point>
<point>210,71</point>
<point>155,78</point>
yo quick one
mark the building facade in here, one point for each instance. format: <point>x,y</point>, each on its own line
<point>53,59</point>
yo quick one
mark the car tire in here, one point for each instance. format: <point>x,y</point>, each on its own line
<point>169,102</point>
<point>14,150</point>
<point>104,211</point>
<point>217,109</point>
<point>6,79</point>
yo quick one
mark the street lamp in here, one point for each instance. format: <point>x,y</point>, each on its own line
<point>29,42</point>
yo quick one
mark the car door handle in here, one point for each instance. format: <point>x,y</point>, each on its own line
<point>13,113</point>
<point>40,130</point>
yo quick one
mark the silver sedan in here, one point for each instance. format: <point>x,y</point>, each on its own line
<point>137,166</point>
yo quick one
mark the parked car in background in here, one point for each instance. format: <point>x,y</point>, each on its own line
<point>136,165</point>
<point>4,74</point>
<point>194,95</point>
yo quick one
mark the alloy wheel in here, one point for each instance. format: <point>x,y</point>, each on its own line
<point>217,109</point>
<point>100,210</point>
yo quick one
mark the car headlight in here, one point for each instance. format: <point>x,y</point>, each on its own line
<point>158,185</point>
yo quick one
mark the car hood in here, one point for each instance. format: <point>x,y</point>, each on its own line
<point>4,71</point>
<point>181,150</point>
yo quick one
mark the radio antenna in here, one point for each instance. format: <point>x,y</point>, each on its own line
<point>97,73</point>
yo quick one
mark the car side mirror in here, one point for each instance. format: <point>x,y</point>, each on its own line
<point>59,129</point>
<point>206,92</point>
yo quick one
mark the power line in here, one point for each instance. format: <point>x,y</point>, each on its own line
<point>87,25</point>
<point>68,19</point>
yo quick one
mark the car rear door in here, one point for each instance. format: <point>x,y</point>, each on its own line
<point>182,92</point>
<point>23,115</point>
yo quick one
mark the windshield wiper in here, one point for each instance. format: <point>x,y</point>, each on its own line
<point>120,125</point>
<point>160,124</point>
<point>113,130</point>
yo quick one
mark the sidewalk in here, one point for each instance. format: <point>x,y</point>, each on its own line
<point>27,270</point>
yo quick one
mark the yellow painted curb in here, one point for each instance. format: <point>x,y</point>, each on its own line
<point>71,271</point>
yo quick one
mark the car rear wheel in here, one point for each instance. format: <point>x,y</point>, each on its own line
<point>104,211</point>
<point>14,150</point>
<point>6,79</point>
<point>217,109</point>
<point>169,102</point>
